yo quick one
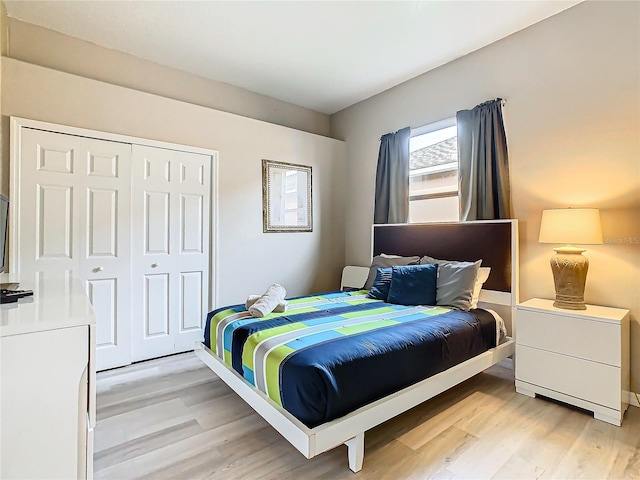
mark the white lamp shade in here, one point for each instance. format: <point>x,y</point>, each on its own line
<point>571,226</point>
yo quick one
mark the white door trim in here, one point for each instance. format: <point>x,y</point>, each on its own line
<point>114,137</point>
<point>16,125</point>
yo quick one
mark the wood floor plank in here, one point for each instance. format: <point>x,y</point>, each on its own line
<point>182,453</point>
<point>559,426</point>
<point>501,434</point>
<point>117,470</point>
<point>173,418</point>
<point>146,443</point>
<point>185,462</point>
<point>627,463</point>
<point>222,410</point>
<point>593,453</point>
<point>410,427</point>
<point>604,451</point>
<point>144,393</point>
<point>430,459</point>
<point>146,420</point>
<point>518,467</point>
<point>467,407</point>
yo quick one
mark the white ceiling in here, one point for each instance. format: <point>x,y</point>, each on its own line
<point>323,55</point>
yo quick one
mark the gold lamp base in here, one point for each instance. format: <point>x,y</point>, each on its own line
<point>569,269</point>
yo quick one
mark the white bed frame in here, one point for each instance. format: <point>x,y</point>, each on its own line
<point>349,430</point>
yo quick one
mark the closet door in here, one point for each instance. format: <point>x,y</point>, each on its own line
<point>74,197</point>
<point>170,261</point>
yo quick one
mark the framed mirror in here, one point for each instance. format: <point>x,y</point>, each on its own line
<point>286,197</point>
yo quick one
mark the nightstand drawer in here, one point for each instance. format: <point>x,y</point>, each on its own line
<point>593,382</point>
<point>578,337</point>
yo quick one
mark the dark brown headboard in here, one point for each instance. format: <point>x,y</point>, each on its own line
<point>492,242</point>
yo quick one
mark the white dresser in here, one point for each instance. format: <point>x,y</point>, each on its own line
<point>579,357</point>
<point>47,380</point>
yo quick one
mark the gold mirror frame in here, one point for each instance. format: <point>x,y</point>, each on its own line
<point>286,197</point>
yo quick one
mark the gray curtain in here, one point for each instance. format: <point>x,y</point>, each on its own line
<point>483,163</point>
<point>392,178</point>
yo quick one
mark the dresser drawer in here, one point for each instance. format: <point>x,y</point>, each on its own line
<point>578,337</point>
<point>593,382</point>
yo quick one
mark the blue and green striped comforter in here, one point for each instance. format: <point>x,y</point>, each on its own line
<point>332,353</point>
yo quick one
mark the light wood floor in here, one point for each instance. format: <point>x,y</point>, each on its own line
<point>173,418</point>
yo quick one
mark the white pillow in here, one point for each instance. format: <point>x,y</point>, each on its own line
<point>483,274</point>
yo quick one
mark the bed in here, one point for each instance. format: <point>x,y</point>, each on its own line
<point>339,363</point>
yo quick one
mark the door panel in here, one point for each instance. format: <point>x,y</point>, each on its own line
<point>192,173</point>
<point>156,222</point>
<point>103,165</point>
<point>52,157</point>
<point>170,211</point>
<point>157,167</point>
<point>102,294</point>
<point>75,215</point>
<point>156,305</point>
<point>191,301</point>
<point>54,222</point>
<point>191,223</point>
<point>102,224</point>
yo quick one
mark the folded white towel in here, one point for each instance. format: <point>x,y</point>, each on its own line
<point>267,302</point>
<point>281,308</point>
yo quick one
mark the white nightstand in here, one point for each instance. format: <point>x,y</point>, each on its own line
<point>579,357</point>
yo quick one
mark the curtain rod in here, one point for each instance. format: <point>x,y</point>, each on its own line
<point>503,102</point>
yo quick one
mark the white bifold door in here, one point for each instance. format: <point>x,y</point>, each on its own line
<point>170,275</point>
<point>132,222</point>
<point>74,215</point>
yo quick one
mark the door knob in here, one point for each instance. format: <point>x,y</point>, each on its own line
<point>98,269</point>
<point>154,265</point>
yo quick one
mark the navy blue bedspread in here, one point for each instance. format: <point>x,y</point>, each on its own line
<point>331,354</point>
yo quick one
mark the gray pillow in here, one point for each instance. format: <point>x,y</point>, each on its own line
<point>386,262</point>
<point>456,281</point>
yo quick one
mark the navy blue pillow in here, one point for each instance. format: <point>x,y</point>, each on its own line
<point>413,285</point>
<point>381,284</point>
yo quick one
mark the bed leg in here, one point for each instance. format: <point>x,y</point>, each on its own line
<point>356,452</point>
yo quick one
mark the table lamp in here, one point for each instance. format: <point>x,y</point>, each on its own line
<point>570,226</point>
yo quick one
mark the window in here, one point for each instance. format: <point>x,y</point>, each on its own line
<point>294,206</point>
<point>433,173</point>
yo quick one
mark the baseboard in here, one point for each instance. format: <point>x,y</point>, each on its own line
<point>633,399</point>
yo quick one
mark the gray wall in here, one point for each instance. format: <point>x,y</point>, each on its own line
<point>572,85</point>
<point>47,48</point>
<point>248,259</point>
